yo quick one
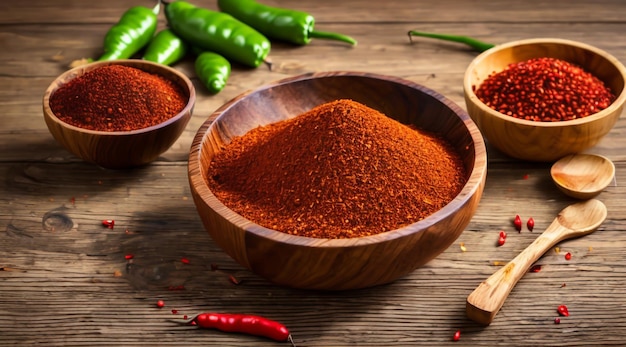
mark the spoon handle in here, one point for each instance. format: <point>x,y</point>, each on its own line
<point>487,299</point>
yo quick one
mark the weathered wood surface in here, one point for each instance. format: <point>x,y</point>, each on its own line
<point>64,280</point>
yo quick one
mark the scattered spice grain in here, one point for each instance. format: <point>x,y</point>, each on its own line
<point>117,98</point>
<point>545,90</point>
<point>340,170</point>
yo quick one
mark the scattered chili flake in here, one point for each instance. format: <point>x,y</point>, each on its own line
<point>557,320</point>
<point>73,201</point>
<point>563,311</point>
<point>525,176</point>
<point>233,279</point>
<point>184,260</point>
<point>517,222</point>
<point>530,224</point>
<point>179,287</point>
<point>160,303</point>
<point>502,234</point>
<point>109,223</point>
<point>456,336</point>
<point>129,256</point>
<point>214,267</point>
<point>498,263</point>
<point>535,268</point>
<point>590,248</point>
<point>563,285</point>
<point>174,311</point>
<point>463,248</point>
<point>557,250</point>
<point>568,256</point>
<point>117,273</point>
<point>185,317</point>
<point>501,241</point>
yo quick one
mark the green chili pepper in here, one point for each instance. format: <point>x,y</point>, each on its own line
<point>213,71</point>
<point>217,32</point>
<point>131,33</point>
<point>165,48</point>
<point>278,23</point>
<point>473,43</point>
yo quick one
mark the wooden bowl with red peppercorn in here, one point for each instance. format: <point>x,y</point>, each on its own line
<point>542,99</point>
<point>337,180</point>
<point>119,114</point>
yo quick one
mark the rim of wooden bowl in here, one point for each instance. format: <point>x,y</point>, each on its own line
<point>476,177</point>
<point>69,75</point>
<point>469,82</point>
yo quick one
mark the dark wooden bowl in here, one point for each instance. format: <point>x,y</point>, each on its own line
<point>544,141</point>
<point>336,264</point>
<point>120,149</point>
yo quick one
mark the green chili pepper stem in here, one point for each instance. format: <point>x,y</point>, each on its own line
<point>331,36</point>
<point>479,46</point>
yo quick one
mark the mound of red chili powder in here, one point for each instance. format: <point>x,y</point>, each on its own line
<point>117,98</point>
<point>545,90</point>
<point>340,170</point>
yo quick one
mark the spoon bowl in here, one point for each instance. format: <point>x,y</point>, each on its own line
<point>573,221</point>
<point>582,176</point>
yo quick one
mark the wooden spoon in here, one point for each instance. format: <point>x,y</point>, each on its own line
<point>573,221</point>
<point>583,176</point>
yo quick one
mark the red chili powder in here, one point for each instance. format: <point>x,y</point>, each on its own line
<point>340,170</point>
<point>117,98</point>
<point>545,90</point>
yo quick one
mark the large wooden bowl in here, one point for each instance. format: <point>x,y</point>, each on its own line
<point>336,264</point>
<point>120,149</point>
<point>544,141</point>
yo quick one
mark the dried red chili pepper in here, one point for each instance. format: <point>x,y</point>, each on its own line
<point>517,222</point>
<point>242,323</point>
<point>562,310</point>
<point>530,224</point>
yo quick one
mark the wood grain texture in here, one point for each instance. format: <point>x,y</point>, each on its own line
<point>544,141</point>
<point>73,287</point>
<point>338,264</point>
<point>575,220</point>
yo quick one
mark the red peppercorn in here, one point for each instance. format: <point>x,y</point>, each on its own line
<point>160,303</point>
<point>568,256</point>
<point>530,224</point>
<point>563,311</point>
<point>456,336</point>
<point>517,222</point>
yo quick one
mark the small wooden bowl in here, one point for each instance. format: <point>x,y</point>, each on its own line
<point>120,149</point>
<point>544,141</point>
<point>336,264</point>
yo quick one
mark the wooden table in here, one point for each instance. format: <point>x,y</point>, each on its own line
<point>64,279</point>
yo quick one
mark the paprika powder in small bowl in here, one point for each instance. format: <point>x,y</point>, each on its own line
<point>545,98</point>
<point>337,180</point>
<point>119,114</point>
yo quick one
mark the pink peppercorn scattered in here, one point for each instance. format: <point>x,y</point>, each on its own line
<point>160,304</point>
<point>517,222</point>
<point>563,311</point>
